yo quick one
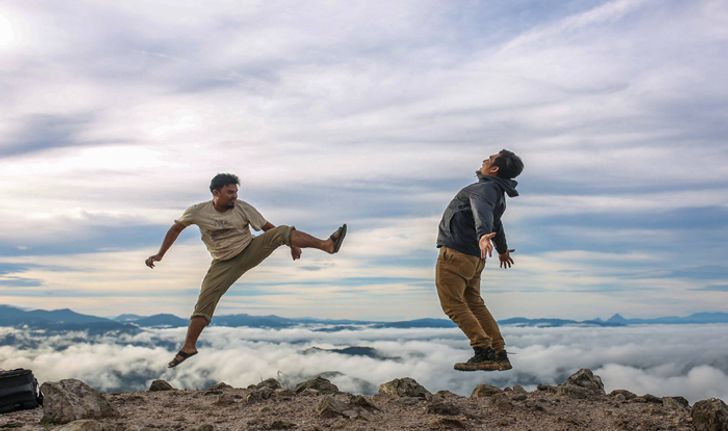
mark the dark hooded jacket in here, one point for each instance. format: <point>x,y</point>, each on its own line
<point>475,211</point>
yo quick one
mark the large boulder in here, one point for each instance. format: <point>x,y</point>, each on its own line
<point>485,390</point>
<point>269,383</point>
<point>160,385</point>
<point>582,384</point>
<point>406,387</point>
<point>330,408</point>
<point>318,384</point>
<point>361,402</point>
<point>675,403</point>
<point>518,389</point>
<point>356,407</point>
<point>70,400</point>
<point>710,415</point>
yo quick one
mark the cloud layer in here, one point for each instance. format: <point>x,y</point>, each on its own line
<point>671,360</point>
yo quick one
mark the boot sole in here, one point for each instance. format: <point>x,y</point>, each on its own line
<point>462,366</point>
<point>476,367</point>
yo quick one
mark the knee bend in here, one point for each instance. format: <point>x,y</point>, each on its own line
<point>201,319</point>
<point>454,309</point>
<point>285,234</point>
<point>476,302</point>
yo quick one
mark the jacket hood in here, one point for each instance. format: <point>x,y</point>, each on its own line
<point>508,185</point>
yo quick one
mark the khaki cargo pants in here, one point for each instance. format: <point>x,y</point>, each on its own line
<point>223,273</point>
<point>457,277</point>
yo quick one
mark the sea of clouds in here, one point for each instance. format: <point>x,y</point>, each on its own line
<point>663,360</point>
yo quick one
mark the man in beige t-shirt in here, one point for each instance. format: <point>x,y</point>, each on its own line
<point>225,223</point>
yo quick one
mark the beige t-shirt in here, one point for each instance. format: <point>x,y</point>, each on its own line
<point>227,233</point>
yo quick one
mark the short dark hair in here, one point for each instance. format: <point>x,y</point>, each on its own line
<point>509,164</point>
<point>221,180</point>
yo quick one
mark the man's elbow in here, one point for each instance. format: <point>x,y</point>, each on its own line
<point>177,227</point>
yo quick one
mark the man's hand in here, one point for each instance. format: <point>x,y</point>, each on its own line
<point>295,252</point>
<point>151,259</point>
<point>486,247</point>
<point>506,261</point>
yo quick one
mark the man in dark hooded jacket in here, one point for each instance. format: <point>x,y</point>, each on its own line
<point>470,222</point>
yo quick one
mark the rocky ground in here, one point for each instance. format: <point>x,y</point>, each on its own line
<point>580,403</point>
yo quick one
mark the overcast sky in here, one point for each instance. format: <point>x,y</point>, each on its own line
<point>114,117</point>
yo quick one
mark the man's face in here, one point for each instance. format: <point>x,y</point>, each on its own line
<point>488,168</point>
<point>226,196</point>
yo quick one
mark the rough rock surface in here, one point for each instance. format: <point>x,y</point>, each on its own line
<point>675,403</point>
<point>318,384</point>
<point>484,390</point>
<point>259,394</point>
<point>627,395</point>
<point>221,386</point>
<point>518,389</point>
<point>160,385</point>
<point>189,410</point>
<point>443,407</point>
<point>710,415</point>
<point>82,425</point>
<point>582,384</point>
<point>71,399</point>
<point>406,387</point>
<point>330,407</point>
<point>269,383</point>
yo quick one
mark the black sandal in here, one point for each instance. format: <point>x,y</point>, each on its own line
<point>338,237</point>
<point>181,354</point>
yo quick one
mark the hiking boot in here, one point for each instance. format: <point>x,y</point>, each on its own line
<point>501,358</point>
<point>484,359</point>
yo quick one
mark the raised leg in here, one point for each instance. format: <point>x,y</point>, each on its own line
<point>194,329</point>
<point>303,240</point>
<point>331,245</point>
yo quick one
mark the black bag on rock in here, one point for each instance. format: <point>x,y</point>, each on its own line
<point>19,391</point>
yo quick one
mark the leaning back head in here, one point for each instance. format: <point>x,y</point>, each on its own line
<point>509,164</point>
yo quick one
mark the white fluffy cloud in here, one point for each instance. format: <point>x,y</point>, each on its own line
<point>671,360</point>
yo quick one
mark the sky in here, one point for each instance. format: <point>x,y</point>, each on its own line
<point>642,359</point>
<point>114,118</point>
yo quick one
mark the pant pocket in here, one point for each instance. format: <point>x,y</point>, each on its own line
<point>466,266</point>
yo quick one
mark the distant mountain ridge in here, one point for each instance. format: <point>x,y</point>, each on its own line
<point>65,319</point>
<point>60,320</point>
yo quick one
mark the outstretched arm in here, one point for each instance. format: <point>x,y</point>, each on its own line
<point>169,239</point>
<point>482,205</point>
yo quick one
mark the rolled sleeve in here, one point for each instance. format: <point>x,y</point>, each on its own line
<point>188,217</point>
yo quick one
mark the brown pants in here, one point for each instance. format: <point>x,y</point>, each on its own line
<point>457,277</point>
<point>223,273</point>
